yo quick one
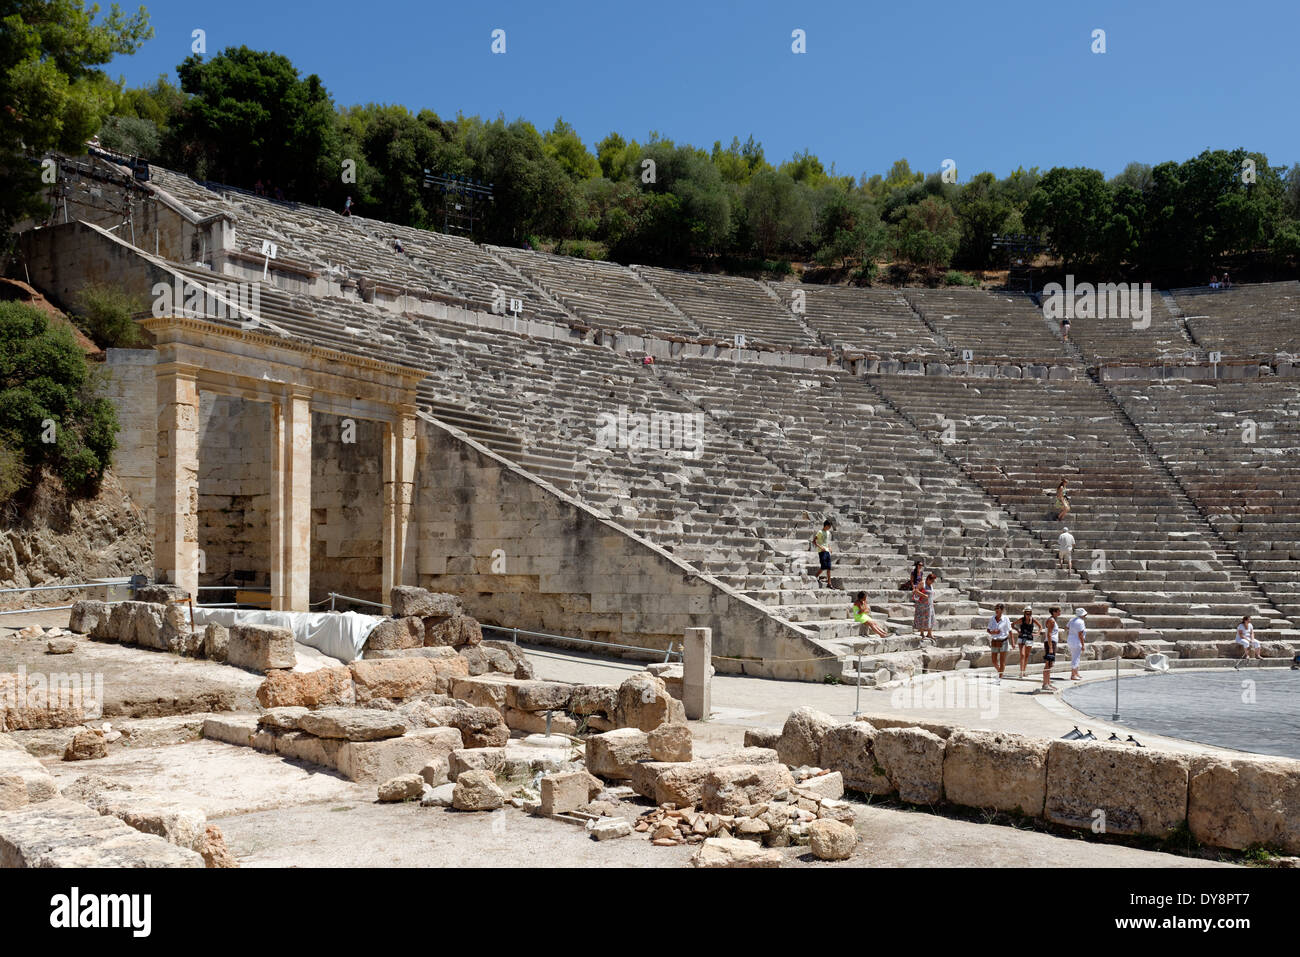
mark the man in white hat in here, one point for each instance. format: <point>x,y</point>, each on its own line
<point>1076,634</point>
<point>1065,550</point>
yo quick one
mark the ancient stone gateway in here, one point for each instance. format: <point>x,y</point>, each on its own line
<point>295,379</point>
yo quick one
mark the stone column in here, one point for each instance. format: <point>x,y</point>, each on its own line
<point>176,482</point>
<point>697,670</point>
<point>291,500</point>
<point>399,493</point>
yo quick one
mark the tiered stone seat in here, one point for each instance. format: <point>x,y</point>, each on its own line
<point>724,306</point>
<point>1018,438</point>
<point>1234,446</point>
<point>605,295</point>
<point>996,326</point>
<point>1246,321</point>
<point>858,319</point>
<point>1111,339</point>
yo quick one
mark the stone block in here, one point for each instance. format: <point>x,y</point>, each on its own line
<point>849,749</point>
<point>996,769</point>
<point>613,754</point>
<point>475,759</point>
<point>912,760</point>
<point>405,787</point>
<point>733,852</point>
<point>353,724</point>
<point>725,790</point>
<point>800,743</point>
<point>1240,802</point>
<point>375,761</point>
<point>409,601</point>
<point>831,840</point>
<point>670,742</point>
<point>396,633</point>
<point>564,792</point>
<point>323,688</point>
<point>1139,790</point>
<point>644,703</point>
<point>539,695</point>
<point>260,648</point>
<point>216,641</point>
<point>399,679</point>
<point>458,631</point>
<point>87,616</point>
<point>477,791</point>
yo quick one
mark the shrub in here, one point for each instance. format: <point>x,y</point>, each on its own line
<point>48,409</point>
<point>13,473</point>
<point>105,314</point>
<point>955,277</point>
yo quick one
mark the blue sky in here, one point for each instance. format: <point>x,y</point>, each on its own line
<point>992,86</point>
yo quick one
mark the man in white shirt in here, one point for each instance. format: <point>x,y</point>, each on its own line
<point>999,638</point>
<point>1076,635</point>
<point>1065,550</point>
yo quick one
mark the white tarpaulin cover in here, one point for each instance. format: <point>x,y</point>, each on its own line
<point>340,635</point>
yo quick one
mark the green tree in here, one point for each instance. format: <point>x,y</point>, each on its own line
<point>927,234</point>
<point>775,212</point>
<point>48,407</point>
<point>565,146</point>
<point>52,94</point>
<point>847,227</point>
<point>984,213</point>
<point>1071,207</point>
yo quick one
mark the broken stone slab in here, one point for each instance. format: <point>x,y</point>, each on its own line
<point>644,703</point>
<point>912,759</point>
<point>726,790</point>
<point>214,851</point>
<point>482,661</point>
<point>613,754</point>
<point>13,792</point>
<point>477,791</point>
<point>849,749</point>
<point>368,761</point>
<point>801,737</point>
<point>400,679</point>
<point>995,769</point>
<point>762,737</point>
<point>161,594</point>
<point>440,796</point>
<point>479,727</point>
<point>670,742</point>
<point>353,724</point>
<point>523,667</point>
<point>406,787</point>
<point>565,791</point>
<point>458,631</point>
<point>475,759</point>
<point>407,601</point>
<point>283,719</point>
<point>323,688</point>
<point>831,840</point>
<point>1242,802</point>
<point>682,783</point>
<point>87,615</point>
<point>64,833</point>
<point>86,746</point>
<point>396,633</point>
<point>231,728</point>
<point>488,691</point>
<point>593,699</point>
<point>733,852</point>
<point>535,722</point>
<point>216,641</point>
<point>821,787</point>
<point>609,827</point>
<point>301,746</point>
<point>539,695</point>
<point>260,648</point>
<point>60,646</point>
<point>1131,790</point>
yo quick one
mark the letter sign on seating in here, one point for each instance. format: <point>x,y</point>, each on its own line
<point>967,355</point>
<point>516,306</point>
<point>1216,358</point>
<point>269,249</point>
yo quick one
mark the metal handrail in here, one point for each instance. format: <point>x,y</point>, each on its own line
<point>516,632</point>
<point>359,601</point>
<point>107,582</point>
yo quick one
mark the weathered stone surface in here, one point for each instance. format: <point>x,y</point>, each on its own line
<point>482,661</point>
<point>682,783</point>
<point>801,738</point>
<point>377,761</point>
<point>146,625</point>
<point>406,787</point>
<point>435,773</point>
<point>231,728</point>
<point>830,840</point>
<point>475,759</point>
<point>996,769</point>
<point>848,748</point>
<point>734,852</point>
<point>413,653</point>
<point>407,600</point>
<point>822,786</point>
<point>477,791</point>
<point>301,746</point>
<point>613,754</point>
<point>31,702</point>
<point>214,851</point>
<point>539,695</point>
<point>594,699</point>
<point>438,796</point>
<point>486,691</point>
<point>564,792</point>
<point>161,594</point>
<point>63,833</point>
<point>260,647</point>
<point>670,742</point>
<point>1238,802</point>
<point>118,627</point>
<point>523,667</point>
<point>644,703</point>
<point>399,679</point>
<point>284,719</point>
<point>458,631</point>
<point>1140,790</point>
<point>762,737</point>
<point>396,633</point>
<point>323,688</point>
<point>479,727</point>
<point>607,828</point>
<point>535,722</point>
<point>182,826</point>
<point>353,724</point>
<point>912,759</point>
<point>726,790</point>
<point>88,615</point>
<point>216,641</point>
<point>86,746</point>
<point>13,792</point>
<point>60,646</point>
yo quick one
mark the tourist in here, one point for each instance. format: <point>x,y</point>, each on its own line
<point>1065,550</point>
<point>1051,634</point>
<point>347,206</point>
<point>1249,643</point>
<point>822,544</point>
<point>1076,635</point>
<point>1214,282</point>
<point>1065,329</point>
<point>1026,626</point>
<point>923,616</point>
<point>999,638</point>
<point>1226,283</point>
<point>917,576</point>
<point>1062,501</point>
<point>860,612</point>
<point>397,245</point>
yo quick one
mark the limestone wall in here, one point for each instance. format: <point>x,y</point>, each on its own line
<point>519,552</point>
<point>235,460</point>
<point>347,507</point>
<point>1106,788</point>
<point>128,382</point>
